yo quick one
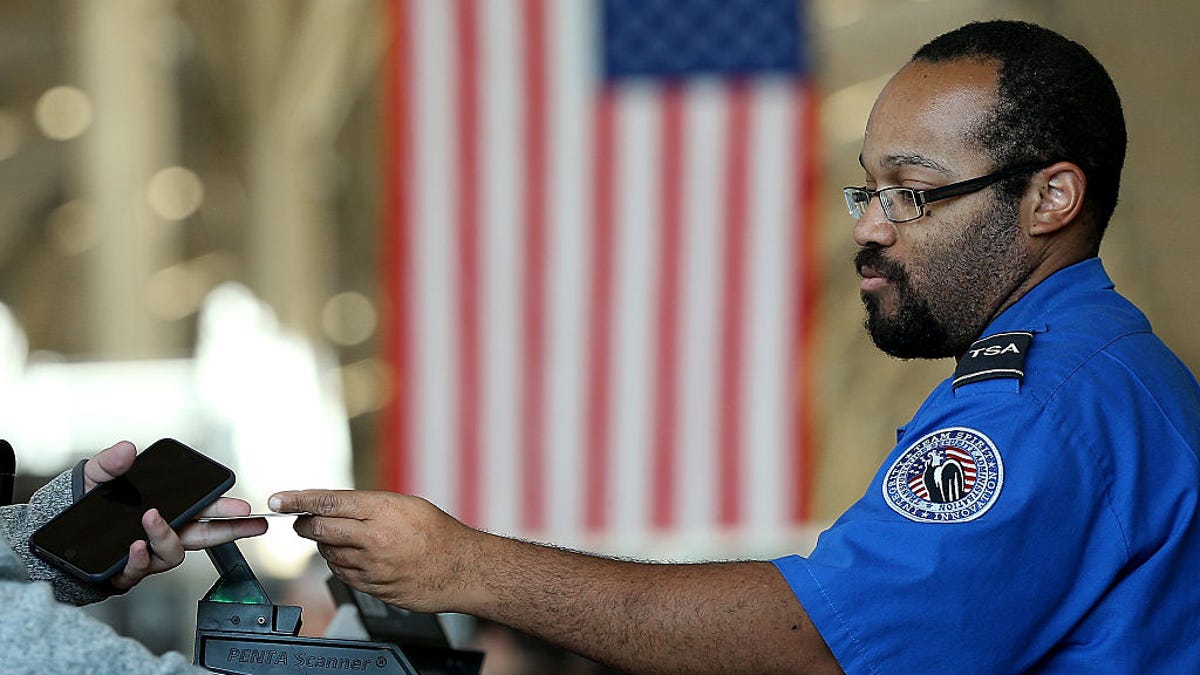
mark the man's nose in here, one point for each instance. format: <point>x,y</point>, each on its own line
<point>874,227</point>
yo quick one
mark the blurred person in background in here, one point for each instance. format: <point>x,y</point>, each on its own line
<point>1040,512</point>
<point>41,628</point>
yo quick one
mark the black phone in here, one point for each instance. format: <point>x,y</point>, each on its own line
<point>91,538</point>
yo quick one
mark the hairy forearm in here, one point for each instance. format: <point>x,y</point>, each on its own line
<point>645,618</point>
<point>649,618</point>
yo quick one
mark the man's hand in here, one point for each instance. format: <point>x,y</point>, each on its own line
<point>163,548</point>
<point>399,548</point>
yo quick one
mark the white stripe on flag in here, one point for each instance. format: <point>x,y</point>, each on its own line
<point>435,363</point>
<point>570,182</point>
<point>635,250</point>
<point>769,308</point>
<point>704,137</point>
<point>501,212</point>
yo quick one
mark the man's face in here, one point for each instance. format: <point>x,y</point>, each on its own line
<point>932,285</point>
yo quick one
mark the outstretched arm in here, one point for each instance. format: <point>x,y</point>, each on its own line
<point>640,617</point>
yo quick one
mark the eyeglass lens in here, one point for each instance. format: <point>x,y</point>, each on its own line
<point>899,204</point>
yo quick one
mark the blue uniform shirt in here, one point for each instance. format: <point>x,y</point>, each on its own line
<point>1048,522</point>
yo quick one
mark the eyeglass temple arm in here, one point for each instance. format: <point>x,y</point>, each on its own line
<point>976,184</point>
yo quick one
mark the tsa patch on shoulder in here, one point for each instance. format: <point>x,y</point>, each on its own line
<point>995,356</point>
<point>951,475</point>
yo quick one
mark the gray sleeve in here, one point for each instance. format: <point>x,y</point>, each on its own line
<point>41,635</point>
<point>19,521</point>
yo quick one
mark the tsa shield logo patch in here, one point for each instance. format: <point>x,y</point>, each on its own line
<point>950,476</point>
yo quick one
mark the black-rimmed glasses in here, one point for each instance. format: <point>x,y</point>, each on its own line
<point>902,204</point>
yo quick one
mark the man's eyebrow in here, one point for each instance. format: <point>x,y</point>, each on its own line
<point>897,161</point>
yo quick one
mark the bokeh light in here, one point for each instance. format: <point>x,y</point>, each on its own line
<point>63,112</point>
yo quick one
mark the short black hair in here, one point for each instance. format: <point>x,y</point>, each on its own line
<point>1055,103</point>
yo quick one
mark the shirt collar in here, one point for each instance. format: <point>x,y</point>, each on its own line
<point>1064,287</point>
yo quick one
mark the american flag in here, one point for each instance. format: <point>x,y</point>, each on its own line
<point>970,471</point>
<point>599,260</point>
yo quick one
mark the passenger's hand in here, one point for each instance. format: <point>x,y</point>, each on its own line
<point>400,549</point>
<point>164,548</point>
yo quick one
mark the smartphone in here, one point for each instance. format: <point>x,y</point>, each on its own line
<point>91,538</point>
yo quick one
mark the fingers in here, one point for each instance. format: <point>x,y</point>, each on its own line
<point>332,503</point>
<point>340,518</point>
<point>136,569</point>
<point>332,531</point>
<point>108,464</point>
<point>164,543</point>
<point>161,551</point>
<point>339,556</point>
<point>225,507</point>
<point>196,536</point>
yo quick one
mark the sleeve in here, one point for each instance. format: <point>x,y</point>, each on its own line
<point>19,521</point>
<point>41,635</point>
<point>989,579</point>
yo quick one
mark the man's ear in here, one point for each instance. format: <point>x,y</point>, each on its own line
<point>1057,194</point>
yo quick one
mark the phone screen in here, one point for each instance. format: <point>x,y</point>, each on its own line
<point>91,538</point>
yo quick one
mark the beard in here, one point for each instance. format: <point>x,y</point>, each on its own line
<point>912,331</point>
<point>950,291</point>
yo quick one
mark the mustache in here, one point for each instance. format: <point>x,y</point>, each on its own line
<point>874,257</point>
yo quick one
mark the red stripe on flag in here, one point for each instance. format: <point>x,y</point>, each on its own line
<point>395,456</point>
<point>467,178</point>
<point>666,403</point>
<point>599,332</point>
<point>533,280</point>
<point>732,312</point>
<point>807,274</point>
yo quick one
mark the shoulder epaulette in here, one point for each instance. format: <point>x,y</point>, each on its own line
<point>997,356</point>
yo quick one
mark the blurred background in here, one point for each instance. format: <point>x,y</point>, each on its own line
<point>491,253</point>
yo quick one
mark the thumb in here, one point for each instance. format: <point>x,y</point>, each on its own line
<point>108,464</point>
<point>329,503</point>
